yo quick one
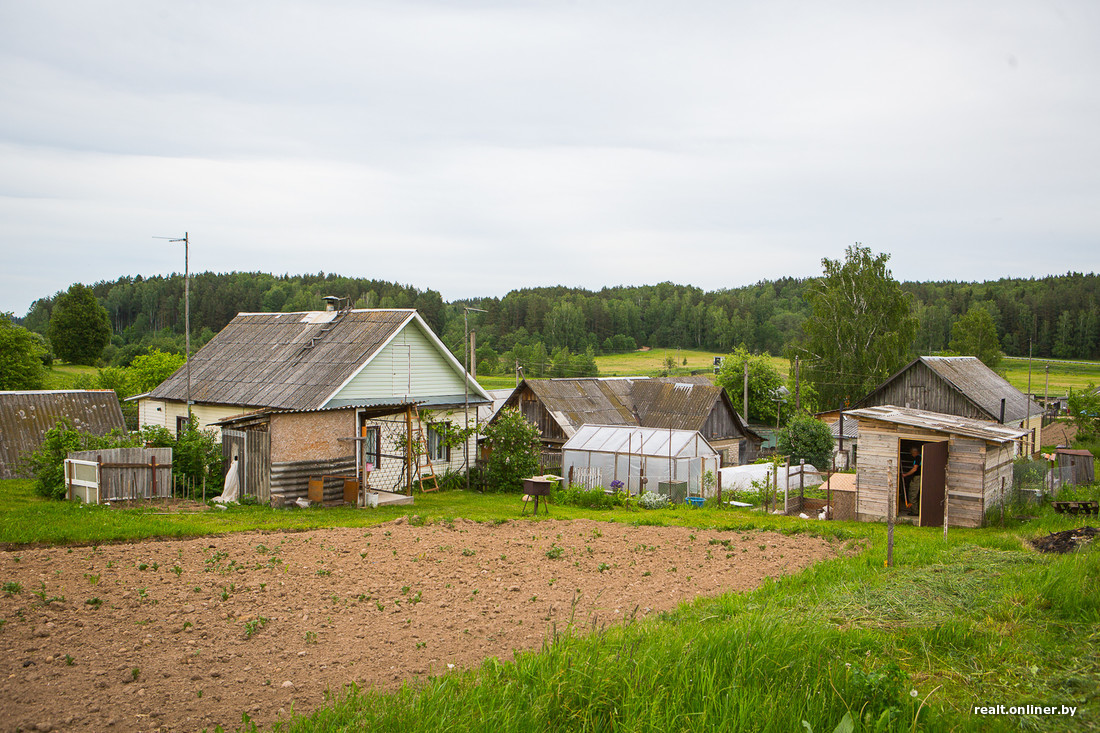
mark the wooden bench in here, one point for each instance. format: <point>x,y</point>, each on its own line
<point>1076,507</point>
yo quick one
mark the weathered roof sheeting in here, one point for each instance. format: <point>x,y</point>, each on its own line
<point>983,385</point>
<point>575,402</point>
<point>284,360</point>
<point>681,403</point>
<point>939,422</point>
<point>26,416</point>
<point>976,383</point>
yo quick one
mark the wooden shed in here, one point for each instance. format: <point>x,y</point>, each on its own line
<point>1075,467</point>
<point>966,464</point>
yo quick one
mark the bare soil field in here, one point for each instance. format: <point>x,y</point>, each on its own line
<point>187,634</point>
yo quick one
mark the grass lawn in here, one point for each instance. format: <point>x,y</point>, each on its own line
<point>63,376</point>
<point>978,619</point>
<point>651,363</point>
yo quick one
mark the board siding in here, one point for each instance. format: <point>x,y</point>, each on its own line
<point>387,375</point>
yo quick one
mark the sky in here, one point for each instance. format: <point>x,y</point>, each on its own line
<point>478,147</point>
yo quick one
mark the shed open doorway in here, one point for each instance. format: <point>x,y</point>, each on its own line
<point>933,474</point>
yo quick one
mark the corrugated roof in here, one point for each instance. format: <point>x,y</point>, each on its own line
<point>576,402</point>
<point>983,385</point>
<point>639,441</point>
<point>682,403</point>
<point>976,382</point>
<point>851,427</point>
<point>265,359</point>
<point>940,422</point>
<point>663,403</point>
<point>26,416</point>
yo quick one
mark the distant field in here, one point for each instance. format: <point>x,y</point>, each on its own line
<point>500,381</point>
<point>64,376</point>
<point>1063,374</point>
<point>649,363</point>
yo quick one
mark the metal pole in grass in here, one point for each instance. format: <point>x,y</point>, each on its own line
<point>889,514</point>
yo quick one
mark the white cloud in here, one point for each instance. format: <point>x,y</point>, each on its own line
<point>477,147</point>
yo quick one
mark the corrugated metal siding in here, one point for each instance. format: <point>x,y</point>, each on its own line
<point>26,416</point>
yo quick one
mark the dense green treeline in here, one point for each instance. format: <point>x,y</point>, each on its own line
<point>557,330</point>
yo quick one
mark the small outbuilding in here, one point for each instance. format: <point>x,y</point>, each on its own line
<point>1075,467</point>
<point>643,459</point>
<point>966,464</point>
<point>25,417</point>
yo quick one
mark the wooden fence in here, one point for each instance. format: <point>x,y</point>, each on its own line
<point>253,447</point>
<point>119,474</point>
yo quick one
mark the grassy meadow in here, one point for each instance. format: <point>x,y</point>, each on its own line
<point>64,376</point>
<point>1064,375</point>
<point>978,619</point>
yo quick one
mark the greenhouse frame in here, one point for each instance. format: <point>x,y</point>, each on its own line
<point>642,459</point>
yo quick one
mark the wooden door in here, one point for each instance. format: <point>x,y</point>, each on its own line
<point>933,483</point>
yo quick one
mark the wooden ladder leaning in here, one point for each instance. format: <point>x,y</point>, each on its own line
<point>425,471</point>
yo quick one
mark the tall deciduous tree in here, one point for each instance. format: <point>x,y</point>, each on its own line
<point>860,330</point>
<point>79,327</point>
<point>975,334</point>
<point>20,357</point>
<point>764,383</point>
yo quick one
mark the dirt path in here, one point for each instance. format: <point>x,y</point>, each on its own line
<point>182,635</point>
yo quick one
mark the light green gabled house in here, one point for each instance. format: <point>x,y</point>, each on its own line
<point>305,386</point>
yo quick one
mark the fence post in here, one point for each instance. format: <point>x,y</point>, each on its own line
<point>153,468</point>
<point>1002,501</point>
<point>890,514</point>
<point>801,484</point>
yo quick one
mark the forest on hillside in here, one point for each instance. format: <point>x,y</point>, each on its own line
<point>556,331</point>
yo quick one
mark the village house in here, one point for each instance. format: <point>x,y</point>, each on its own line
<point>962,386</point>
<point>559,407</point>
<point>322,394</point>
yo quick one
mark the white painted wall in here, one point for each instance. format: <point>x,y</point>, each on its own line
<point>164,414</point>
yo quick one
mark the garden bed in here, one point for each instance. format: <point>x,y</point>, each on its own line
<point>187,634</point>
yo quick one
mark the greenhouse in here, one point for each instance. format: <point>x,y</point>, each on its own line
<point>677,463</point>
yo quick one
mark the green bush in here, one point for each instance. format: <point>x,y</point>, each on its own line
<point>807,437</point>
<point>649,500</point>
<point>47,463</point>
<point>195,453</point>
<point>590,498</point>
<point>515,446</point>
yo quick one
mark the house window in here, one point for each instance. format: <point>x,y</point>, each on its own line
<point>370,442</point>
<point>438,450</point>
<point>370,446</point>
<point>181,425</point>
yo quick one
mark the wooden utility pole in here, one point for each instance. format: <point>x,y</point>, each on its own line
<point>409,457</point>
<point>746,390</point>
<point>797,385</point>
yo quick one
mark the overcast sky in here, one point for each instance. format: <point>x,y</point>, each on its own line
<point>477,147</point>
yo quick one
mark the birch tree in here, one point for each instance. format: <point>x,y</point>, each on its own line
<point>860,330</point>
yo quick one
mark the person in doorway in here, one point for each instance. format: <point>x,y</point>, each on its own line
<point>912,482</point>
